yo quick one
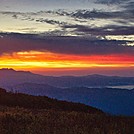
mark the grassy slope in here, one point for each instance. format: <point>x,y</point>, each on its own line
<point>53,118</point>
<point>28,121</point>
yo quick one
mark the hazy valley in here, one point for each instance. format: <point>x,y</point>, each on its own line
<point>93,90</point>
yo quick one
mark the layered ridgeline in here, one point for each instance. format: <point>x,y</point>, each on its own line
<point>21,113</point>
<point>103,92</point>
<point>9,78</point>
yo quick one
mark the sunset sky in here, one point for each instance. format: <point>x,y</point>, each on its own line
<point>68,37</point>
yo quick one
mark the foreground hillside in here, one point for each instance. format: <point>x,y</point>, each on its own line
<point>41,102</point>
<point>29,121</point>
<point>111,100</point>
<point>26,114</point>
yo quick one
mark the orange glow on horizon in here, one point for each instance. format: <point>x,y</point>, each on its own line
<point>35,60</point>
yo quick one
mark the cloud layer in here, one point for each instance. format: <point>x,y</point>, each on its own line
<point>64,45</point>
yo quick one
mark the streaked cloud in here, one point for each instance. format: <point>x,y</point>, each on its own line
<point>63,45</point>
<point>84,34</point>
<point>110,1</point>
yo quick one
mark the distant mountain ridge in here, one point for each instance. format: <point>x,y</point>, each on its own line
<point>10,78</point>
<point>91,90</point>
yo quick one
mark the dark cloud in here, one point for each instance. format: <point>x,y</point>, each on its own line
<point>29,17</point>
<point>54,33</point>
<point>12,13</point>
<point>123,17</point>
<point>102,31</point>
<point>60,12</point>
<point>27,29</point>
<point>15,16</point>
<point>52,22</point>
<point>87,14</point>
<point>110,1</point>
<point>129,6</point>
<point>64,45</point>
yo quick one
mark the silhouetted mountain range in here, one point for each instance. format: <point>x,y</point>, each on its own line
<point>90,90</point>
<point>10,77</point>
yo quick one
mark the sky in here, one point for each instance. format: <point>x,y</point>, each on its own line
<point>68,37</point>
<point>34,5</point>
